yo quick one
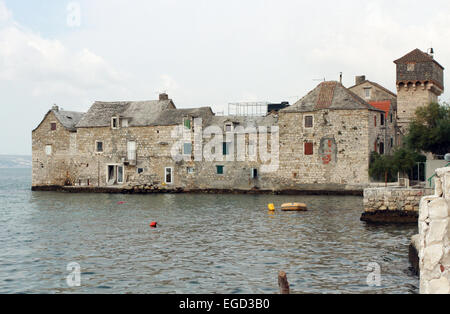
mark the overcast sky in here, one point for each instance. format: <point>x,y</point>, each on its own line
<point>201,52</point>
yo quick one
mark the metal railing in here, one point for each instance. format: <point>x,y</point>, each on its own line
<point>430,180</point>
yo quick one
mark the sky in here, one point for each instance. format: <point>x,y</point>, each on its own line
<point>201,52</point>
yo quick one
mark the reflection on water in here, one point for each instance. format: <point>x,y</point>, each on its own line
<point>204,243</point>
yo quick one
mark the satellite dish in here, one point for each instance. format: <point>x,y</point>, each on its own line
<point>447,157</point>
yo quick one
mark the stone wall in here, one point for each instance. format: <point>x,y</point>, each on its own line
<point>434,230</point>
<point>388,131</point>
<point>52,169</point>
<point>341,139</point>
<point>341,147</point>
<point>410,98</point>
<point>392,204</point>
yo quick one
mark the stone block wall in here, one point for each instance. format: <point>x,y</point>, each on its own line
<point>434,229</point>
<point>345,158</point>
<point>392,199</point>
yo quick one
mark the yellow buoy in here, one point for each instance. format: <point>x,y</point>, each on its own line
<point>295,207</point>
<point>271,207</point>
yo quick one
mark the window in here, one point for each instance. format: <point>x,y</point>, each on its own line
<point>226,148</point>
<point>309,148</point>
<point>115,123</point>
<point>254,173</point>
<point>375,120</point>
<point>229,127</point>
<point>140,170</point>
<point>392,118</point>
<point>48,150</point>
<point>53,126</point>
<point>309,122</point>
<point>190,170</point>
<point>392,142</point>
<point>382,119</point>
<point>120,174</point>
<point>368,92</point>
<point>220,169</point>
<point>187,123</point>
<point>410,67</point>
<point>168,176</point>
<point>187,149</point>
<point>131,151</point>
<point>99,147</point>
<point>381,148</point>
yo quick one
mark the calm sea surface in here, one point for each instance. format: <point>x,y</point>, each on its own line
<point>205,243</point>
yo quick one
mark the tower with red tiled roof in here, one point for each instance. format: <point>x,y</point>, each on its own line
<point>420,81</point>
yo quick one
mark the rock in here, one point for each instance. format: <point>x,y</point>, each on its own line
<point>439,286</point>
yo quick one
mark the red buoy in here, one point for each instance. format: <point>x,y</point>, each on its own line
<point>153,224</point>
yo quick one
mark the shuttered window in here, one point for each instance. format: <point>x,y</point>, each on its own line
<point>53,126</point>
<point>309,148</point>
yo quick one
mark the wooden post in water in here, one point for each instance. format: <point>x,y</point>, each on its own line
<point>283,283</point>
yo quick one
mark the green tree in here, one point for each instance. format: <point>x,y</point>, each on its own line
<point>386,167</point>
<point>430,130</point>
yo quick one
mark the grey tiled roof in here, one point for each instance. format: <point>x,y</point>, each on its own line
<point>140,113</point>
<point>68,119</point>
<point>331,96</point>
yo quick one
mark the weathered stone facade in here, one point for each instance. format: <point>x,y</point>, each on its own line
<point>97,152</point>
<point>434,240</point>
<point>324,141</point>
<point>392,204</point>
<point>380,97</point>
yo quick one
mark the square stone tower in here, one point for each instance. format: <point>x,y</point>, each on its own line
<point>420,81</point>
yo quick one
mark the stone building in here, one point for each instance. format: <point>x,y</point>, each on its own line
<point>323,142</point>
<point>420,81</point>
<point>383,99</point>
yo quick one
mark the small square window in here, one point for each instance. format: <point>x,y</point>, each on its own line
<point>228,127</point>
<point>53,126</point>
<point>309,121</point>
<point>220,169</point>
<point>99,147</point>
<point>309,148</point>
<point>190,170</point>
<point>140,170</point>
<point>410,67</point>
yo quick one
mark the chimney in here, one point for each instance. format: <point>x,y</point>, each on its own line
<point>340,78</point>
<point>55,108</point>
<point>163,96</point>
<point>360,79</point>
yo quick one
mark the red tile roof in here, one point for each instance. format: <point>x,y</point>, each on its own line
<point>382,105</point>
